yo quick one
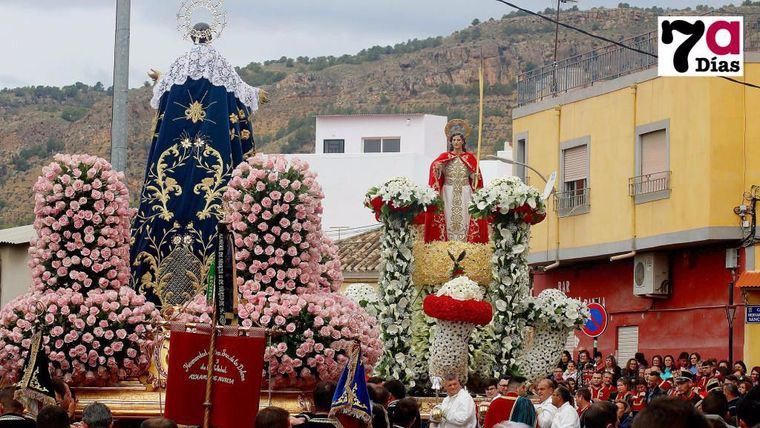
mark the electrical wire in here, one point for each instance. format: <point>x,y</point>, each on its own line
<point>605,39</point>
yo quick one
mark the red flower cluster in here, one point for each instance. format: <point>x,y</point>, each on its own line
<point>376,205</point>
<point>529,215</point>
<point>450,309</point>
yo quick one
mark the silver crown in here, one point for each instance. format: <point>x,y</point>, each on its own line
<point>202,34</point>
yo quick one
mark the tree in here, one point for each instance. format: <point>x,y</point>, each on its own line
<point>475,22</point>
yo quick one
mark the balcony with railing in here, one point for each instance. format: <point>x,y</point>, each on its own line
<point>573,202</point>
<point>609,62</point>
<point>649,187</point>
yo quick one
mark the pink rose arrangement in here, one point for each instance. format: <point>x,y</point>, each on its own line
<point>319,330</point>
<point>95,338</point>
<point>288,272</point>
<point>82,219</point>
<point>275,214</point>
<point>96,329</point>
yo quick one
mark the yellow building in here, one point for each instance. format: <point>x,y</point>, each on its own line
<point>649,171</point>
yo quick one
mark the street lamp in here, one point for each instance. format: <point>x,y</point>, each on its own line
<point>547,192</point>
<point>514,162</point>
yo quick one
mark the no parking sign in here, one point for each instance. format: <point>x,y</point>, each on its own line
<point>597,322</point>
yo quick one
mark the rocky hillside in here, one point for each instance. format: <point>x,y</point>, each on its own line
<point>437,75</point>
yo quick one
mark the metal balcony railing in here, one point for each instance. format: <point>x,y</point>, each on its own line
<point>612,61</point>
<point>573,202</point>
<point>582,70</point>
<point>649,183</point>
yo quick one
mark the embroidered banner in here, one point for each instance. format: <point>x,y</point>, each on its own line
<point>237,373</point>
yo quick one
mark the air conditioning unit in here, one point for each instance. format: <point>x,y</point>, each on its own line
<point>650,275</point>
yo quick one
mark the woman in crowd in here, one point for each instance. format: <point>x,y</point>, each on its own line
<point>740,366</point>
<point>624,390</point>
<point>754,375</point>
<point>744,386</point>
<point>572,385</point>
<point>695,360</point>
<point>683,361</point>
<point>639,398</point>
<point>669,368</point>
<point>571,371</point>
<point>610,365</point>
<point>641,359</point>
<point>657,362</point>
<point>631,370</point>
<point>564,359</point>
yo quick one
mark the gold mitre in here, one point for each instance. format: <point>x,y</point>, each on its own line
<point>458,126</point>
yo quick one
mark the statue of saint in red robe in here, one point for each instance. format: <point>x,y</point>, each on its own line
<point>455,175</point>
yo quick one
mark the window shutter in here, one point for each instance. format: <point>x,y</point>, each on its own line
<point>653,152</point>
<point>576,163</point>
<point>628,343</point>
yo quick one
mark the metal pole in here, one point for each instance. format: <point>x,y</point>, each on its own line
<point>120,87</point>
<point>730,311</point>
<point>556,34</point>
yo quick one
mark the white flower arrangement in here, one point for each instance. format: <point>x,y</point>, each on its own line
<point>401,191</point>
<point>461,288</point>
<point>553,309</point>
<point>509,195</point>
<point>361,293</point>
<point>400,198</point>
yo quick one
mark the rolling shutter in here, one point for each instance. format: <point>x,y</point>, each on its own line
<point>653,152</point>
<point>628,343</point>
<point>575,163</point>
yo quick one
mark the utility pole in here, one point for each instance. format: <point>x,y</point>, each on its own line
<point>120,87</point>
<point>556,28</point>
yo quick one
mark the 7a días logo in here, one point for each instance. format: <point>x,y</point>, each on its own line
<point>700,46</point>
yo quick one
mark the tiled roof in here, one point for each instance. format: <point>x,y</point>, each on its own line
<point>749,279</point>
<point>17,235</point>
<point>360,253</point>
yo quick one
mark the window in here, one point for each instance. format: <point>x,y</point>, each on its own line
<point>382,145</point>
<point>372,145</point>
<point>574,195</point>
<point>391,145</point>
<point>652,181</point>
<point>334,146</point>
<point>521,155</point>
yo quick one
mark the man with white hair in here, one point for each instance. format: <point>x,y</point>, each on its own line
<point>458,408</point>
<point>545,410</point>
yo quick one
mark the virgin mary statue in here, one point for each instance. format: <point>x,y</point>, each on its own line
<point>202,131</point>
<point>455,175</point>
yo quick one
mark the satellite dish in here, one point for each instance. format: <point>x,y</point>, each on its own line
<point>549,188</point>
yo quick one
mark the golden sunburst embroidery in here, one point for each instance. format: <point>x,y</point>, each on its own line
<point>195,111</point>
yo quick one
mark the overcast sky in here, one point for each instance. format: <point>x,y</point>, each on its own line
<point>59,42</point>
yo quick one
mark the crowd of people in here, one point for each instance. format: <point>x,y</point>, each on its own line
<point>584,392</point>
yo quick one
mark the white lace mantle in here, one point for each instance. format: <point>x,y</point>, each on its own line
<point>204,61</point>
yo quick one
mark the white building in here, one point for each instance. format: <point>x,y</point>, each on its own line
<point>15,275</point>
<point>356,152</point>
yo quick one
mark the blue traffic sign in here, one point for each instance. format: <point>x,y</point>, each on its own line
<point>597,322</point>
<point>753,315</point>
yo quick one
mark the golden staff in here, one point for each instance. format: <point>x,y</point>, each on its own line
<point>480,114</point>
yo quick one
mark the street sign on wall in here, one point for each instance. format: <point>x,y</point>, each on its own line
<point>753,314</point>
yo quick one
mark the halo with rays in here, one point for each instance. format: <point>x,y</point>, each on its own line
<point>218,19</point>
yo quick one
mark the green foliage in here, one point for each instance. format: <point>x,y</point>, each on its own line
<point>474,90</point>
<point>255,75</point>
<point>304,63</point>
<point>623,6</point>
<point>73,113</point>
<point>475,22</point>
